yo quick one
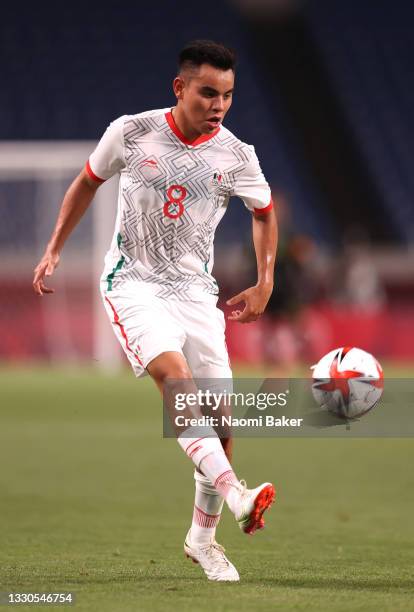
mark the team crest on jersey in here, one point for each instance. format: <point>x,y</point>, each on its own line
<point>217,178</point>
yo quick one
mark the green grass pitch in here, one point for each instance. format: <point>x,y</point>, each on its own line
<point>95,501</point>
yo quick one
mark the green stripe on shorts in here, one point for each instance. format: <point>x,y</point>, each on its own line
<point>119,264</point>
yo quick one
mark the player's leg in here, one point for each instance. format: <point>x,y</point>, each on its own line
<point>172,375</point>
<point>200,544</point>
<point>208,503</point>
<point>206,353</point>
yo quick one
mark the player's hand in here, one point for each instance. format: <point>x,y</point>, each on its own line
<point>45,267</point>
<point>255,299</point>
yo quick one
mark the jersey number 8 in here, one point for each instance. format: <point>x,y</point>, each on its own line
<point>174,207</point>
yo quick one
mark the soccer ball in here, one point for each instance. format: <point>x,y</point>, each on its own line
<point>348,382</point>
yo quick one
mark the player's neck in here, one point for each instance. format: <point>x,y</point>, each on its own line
<point>180,121</point>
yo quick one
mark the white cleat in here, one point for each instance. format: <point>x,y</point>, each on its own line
<point>212,559</point>
<point>251,505</point>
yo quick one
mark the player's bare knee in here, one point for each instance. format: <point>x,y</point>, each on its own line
<point>169,367</point>
<point>175,373</point>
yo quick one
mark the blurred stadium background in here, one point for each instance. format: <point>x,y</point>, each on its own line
<point>324,91</point>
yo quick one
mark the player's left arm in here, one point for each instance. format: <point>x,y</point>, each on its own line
<point>265,236</point>
<point>252,187</point>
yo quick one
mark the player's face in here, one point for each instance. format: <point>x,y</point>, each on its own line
<point>205,97</point>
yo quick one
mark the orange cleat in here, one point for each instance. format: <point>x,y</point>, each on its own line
<point>253,503</point>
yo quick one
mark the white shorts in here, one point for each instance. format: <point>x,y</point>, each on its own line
<point>147,326</point>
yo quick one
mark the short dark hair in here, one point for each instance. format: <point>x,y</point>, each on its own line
<point>198,52</point>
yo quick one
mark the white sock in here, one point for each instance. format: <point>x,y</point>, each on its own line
<point>208,504</point>
<point>209,457</point>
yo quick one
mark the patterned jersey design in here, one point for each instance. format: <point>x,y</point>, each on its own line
<point>172,196</point>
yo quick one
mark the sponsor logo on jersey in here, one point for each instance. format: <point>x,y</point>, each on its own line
<point>150,163</point>
<point>149,170</point>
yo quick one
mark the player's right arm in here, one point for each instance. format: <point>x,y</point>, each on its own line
<point>76,201</point>
<point>105,161</point>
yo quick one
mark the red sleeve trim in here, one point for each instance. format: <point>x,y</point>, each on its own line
<point>264,211</point>
<point>92,173</point>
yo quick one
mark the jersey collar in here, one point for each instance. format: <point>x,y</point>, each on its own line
<point>180,135</point>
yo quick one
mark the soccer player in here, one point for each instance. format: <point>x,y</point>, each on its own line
<point>178,168</point>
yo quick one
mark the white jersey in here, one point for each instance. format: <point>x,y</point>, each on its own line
<point>172,195</point>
